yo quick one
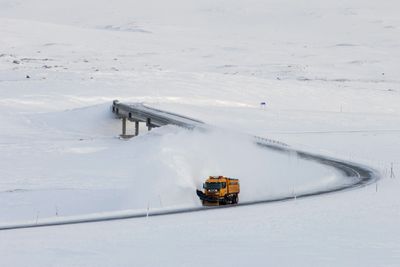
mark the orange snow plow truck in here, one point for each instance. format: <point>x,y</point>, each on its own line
<point>219,190</point>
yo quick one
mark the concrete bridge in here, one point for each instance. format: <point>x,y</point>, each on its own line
<point>139,113</point>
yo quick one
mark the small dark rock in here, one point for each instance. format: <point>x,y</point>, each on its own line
<point>28,77</point>
<point>16,61</point>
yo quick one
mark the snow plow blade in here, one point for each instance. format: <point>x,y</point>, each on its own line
<point>203,197</point>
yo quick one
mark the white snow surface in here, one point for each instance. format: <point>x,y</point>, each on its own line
<point>327,70</point>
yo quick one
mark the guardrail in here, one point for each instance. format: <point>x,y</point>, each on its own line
<point>138,112</point>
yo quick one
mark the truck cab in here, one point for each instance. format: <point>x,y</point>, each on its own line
<point>219,190</point>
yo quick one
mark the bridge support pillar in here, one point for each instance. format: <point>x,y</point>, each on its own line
<point>123,126</point>
<point>148,124</point>
<point>124,135</point>
<point>136,128</point>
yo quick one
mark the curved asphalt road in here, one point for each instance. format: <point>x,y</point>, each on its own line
<point>358,175</point>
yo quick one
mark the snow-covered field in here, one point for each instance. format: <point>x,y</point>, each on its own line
<point>328,71</point>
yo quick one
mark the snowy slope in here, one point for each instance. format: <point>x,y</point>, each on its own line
<point>327,70</point>
<point>74,164</point>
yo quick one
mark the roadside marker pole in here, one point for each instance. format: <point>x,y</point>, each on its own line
<point>392,175</point>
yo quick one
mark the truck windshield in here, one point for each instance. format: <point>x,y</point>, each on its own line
<point>213,185</point>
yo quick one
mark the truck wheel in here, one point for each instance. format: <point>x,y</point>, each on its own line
<point>235,199</point>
